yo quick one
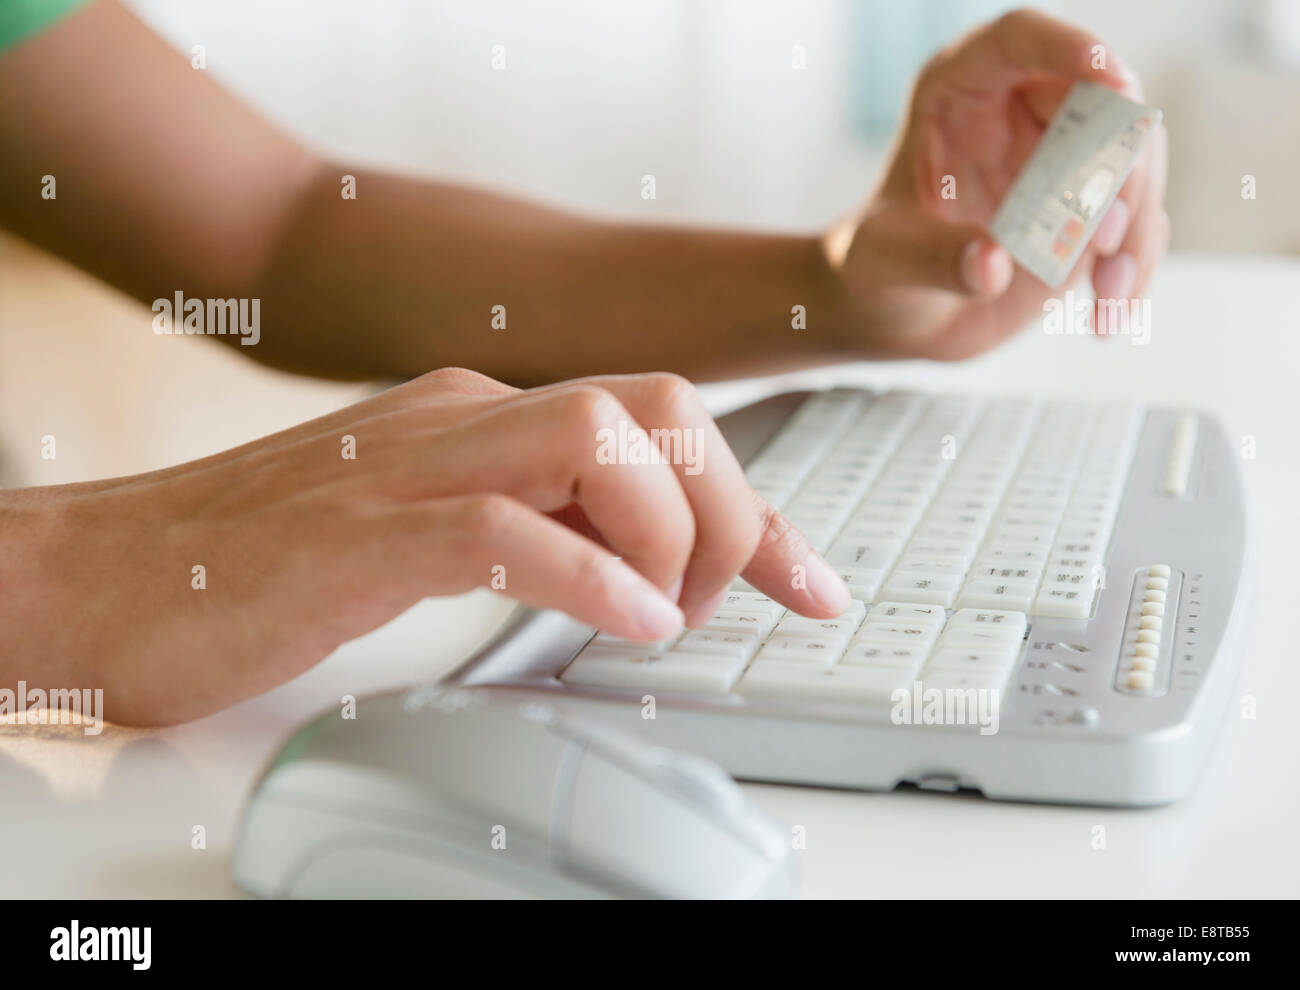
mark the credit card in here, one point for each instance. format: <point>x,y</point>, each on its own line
<point>1074,174</point>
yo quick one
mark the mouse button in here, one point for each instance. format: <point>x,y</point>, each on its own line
<point>325,783</point>
<point>647,839</point>
<point>507,773</point>
<point>697,778</point>
<point>616,746</point>
<point>704,780</point>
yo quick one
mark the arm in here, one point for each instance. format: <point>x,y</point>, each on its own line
<point>166,181</point>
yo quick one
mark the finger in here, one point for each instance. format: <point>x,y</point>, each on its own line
<point>918,250</point>
<point>1109,235</point>
<point>710,476</point>
<point>1125,273</point>
<point>1149,261</point>
<point>1044,97</point>
<point>550,449</point>
<point>452,545</point>
<point>1027,44</point>
<point>787,568</point>
<point>1148,232</point>
<point>726,540</point>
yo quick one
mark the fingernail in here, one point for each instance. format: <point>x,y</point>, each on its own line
<point>825,586</point>
<point>1113,277</point>
<point>704,611</point>
<point>1002,269</point>
<point>653,615</point>
<point>674,594</point>
<point>1130,78</point>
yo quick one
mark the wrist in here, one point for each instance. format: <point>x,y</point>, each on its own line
<point>848,325</point>
<point>30,586</point>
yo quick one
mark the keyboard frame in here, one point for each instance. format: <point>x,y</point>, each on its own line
<point>1138,750</point>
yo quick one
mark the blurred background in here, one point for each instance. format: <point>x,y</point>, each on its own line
<point>762,114</point>
<point>705,95</point>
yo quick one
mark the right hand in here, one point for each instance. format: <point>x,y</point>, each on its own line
<point>457,478</point>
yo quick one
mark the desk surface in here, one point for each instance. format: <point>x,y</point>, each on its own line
<point>117,815</point>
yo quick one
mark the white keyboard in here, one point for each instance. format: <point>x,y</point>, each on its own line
<point>1035,555</point>
<point>997,509</point>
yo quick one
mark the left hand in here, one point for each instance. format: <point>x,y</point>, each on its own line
<point>924,277</point>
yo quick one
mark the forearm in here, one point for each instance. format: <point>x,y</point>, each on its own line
<point>409,274</point>
<point>167,183</point>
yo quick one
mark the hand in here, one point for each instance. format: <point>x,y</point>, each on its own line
<point>923,275</point>
<point>457,479</point>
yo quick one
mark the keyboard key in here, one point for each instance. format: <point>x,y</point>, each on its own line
<point>1072,577</point>
<point>801,649</point>
<point>904,614</point>
<point>874,555</point>
<point>868,654</point>
<point>726,620</point>
<point>984,571</point>
<point>968,537</point>
<point>979,638</point>
<point>1015,622</point>
<point>863,583</point>
<point>1064,603</point>
<point>1035,557</point>
<point>741,645</point>
<point>911,566</point>
<point>868,532</point>
<point>688,673</point>
<point>743,601</point>
<point>619,643</point>
<point>852,685</point>
<point>806,628</point>
<point>1023,536</point>
<point>985,660</point>
<point>1065,561</point>
<point>939,551</point>
<point>998,593</point>
<point>939,590</point>
<point>896,634</point>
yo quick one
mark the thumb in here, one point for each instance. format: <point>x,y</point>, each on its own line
<point>907,247</point>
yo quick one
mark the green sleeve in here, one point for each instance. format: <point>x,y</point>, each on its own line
<point>20,19</point>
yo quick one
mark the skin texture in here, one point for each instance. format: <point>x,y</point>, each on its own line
<point>167,182</point>
<point>455,475</point>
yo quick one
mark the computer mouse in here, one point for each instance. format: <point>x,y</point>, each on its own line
<point>474,792</point>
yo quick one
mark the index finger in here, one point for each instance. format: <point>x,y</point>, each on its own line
<point>728,538</point>
<point>1026,44</point>
<point>787,567</point>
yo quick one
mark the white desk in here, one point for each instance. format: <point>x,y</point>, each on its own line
<point>113,816</point>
